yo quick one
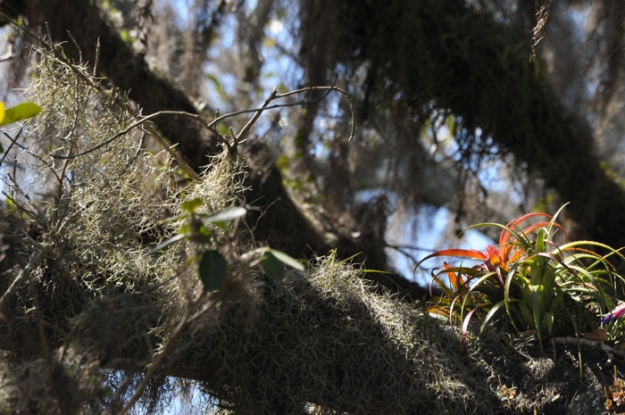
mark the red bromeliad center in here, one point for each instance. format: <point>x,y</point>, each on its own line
<point>493,258</point>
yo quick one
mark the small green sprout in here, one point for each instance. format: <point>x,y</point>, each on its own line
<point>213,267</point>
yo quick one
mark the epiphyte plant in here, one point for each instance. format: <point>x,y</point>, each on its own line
<point>212,265</point>
<point>540,285</point>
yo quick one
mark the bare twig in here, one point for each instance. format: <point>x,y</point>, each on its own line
<point>409,248</point>
<point>77,47</point>
<point>258,111</point>
<point>183,164</point>
<point>328,89</point>
<point>34,211</point>
<point>404,250</point>
<point>97,57</point>
<point>13,142</point>
<point>593,344</point>
<point>38,157</point>
<point>24,275</point>
<point>155,365</point>
<point>254,118</point>
<point>135,125</point>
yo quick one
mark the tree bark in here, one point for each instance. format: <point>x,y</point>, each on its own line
<point>320,339</point>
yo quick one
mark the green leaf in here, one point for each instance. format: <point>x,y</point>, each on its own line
<point>213,270</point>
<point>11,207</point>
<point>284,258</point>
<point>174,219</point>
<point>269,42</point>
<point>283,162</point>
<point>273,266</point>
<point>218,88</point>
<point>125,35</point>
<point>548,319</point>
<point>223,129</point>
<point>167,243</point>
<point>204,231</point>
<point>373,271</point>
<point>20,112</point>
<point>185,228</point>
<point>226,214</point>
<point>192,205</point>
<point>451,125</point>
<point>491,313</point>
<point>542,234</point>
<point>300,138</point>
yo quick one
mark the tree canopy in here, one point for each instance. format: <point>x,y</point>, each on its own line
<point>217,196</point>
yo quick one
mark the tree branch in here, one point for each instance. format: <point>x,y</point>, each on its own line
<point>129,72</point>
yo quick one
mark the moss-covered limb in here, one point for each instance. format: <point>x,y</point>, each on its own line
<point>378,360</point>
<point>125,68</point>
<point>129,72</point>
<point>324,339</point>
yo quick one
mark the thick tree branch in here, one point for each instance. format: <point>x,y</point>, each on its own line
<point>283,225</point>
<point>525,118</point>
<point>464,60</point>
<point>322,338</point>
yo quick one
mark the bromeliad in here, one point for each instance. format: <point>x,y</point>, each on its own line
<point>540,285</point>
<point>618,312</point>
<point>511,247</point>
